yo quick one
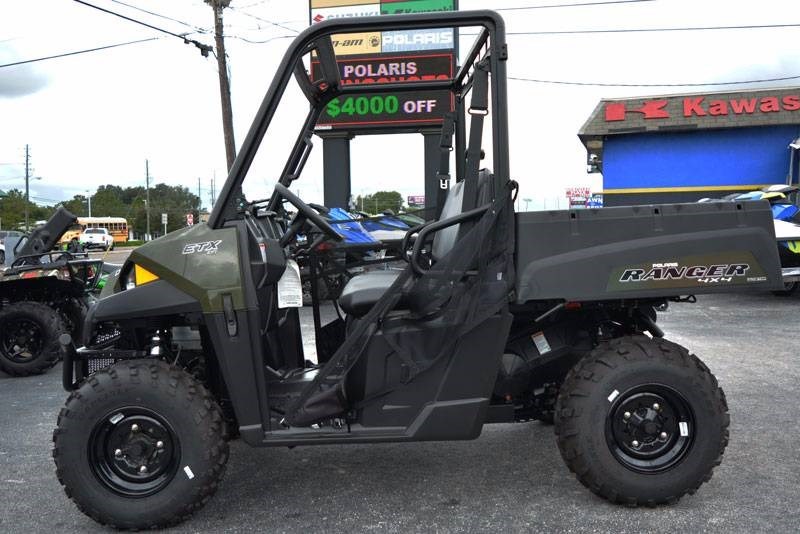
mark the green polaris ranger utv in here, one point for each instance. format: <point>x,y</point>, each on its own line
<point>497,317</point>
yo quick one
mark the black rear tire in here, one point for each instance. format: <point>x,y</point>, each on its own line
<point>29,334</point>
<point>134,414</point>
<point>789,289</point>
<point>641,421</point>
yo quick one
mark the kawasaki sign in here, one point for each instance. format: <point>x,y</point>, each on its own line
<point>702,106</point>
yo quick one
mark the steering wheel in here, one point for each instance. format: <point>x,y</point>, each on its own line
<point>307,212</point>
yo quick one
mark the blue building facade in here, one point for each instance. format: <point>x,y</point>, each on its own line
<point>681,148</point>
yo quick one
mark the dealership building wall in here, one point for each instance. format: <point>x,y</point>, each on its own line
<point>681,148</point>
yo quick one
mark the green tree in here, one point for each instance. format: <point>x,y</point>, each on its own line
<point>380,201</point>
<point>12,210</point>
<point>175,201</point>
<point>113,201</point>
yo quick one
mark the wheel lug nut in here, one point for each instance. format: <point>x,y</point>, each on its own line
<point>159,444</point>
<point>663,435</point>
<point>627,415</point>
<point>134,428</point>
<point>634,443</point>
<point>143,469</point>
<point>118,453</point>
<point>656,407</point>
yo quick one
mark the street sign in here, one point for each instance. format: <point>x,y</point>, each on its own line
<point>189,219</point>
<point>163,218</point>
<point>416,200</point>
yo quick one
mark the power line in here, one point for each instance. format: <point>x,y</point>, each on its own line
<point>204,49</point>
<point>265,41</point>
<point>276,24</point>
<point>197,29</point>
<point>581,4</point>
<point>640,30</point>
<point>603,84</point>
<point>79,52</point>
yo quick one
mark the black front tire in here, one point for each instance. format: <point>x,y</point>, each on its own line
<point>178,438</point>
<point>2,257</point>
<point>29,333</point>
<point>641,421</point>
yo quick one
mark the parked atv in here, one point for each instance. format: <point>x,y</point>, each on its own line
<point>43,295</point>
<point>785,206</point>
<point>495,317</point>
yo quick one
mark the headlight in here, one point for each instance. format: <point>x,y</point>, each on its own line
<point>138,276</point>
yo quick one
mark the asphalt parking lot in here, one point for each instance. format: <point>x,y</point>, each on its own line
<point>510,479</point>
<point>118,255</point>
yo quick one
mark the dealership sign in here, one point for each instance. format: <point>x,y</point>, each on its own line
<point>402,7</point>
<point>701,106</point>
<point>387,57</point>
<point>404,41</point>
<point>392,41</point>
<point>366,111</point>
<point>393,68</point>
<point>578,197</point>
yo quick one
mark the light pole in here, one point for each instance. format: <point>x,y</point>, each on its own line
<point>526,201</point>
<point>89,198</point>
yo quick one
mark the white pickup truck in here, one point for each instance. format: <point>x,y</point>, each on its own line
<point>96,238</point>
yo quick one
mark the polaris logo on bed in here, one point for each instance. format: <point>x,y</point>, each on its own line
<point>711,274</point>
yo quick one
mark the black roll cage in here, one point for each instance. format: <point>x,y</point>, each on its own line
<point>318,37</point>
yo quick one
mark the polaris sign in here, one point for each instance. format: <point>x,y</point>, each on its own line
<point>409,41</point>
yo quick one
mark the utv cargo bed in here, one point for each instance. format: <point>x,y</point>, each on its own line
<point>646,251</point>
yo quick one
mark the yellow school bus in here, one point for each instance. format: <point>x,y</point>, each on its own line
<point>116,226</point>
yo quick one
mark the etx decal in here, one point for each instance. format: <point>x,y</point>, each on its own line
<point>205,247</point>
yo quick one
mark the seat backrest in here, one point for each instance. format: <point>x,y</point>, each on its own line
<point>445,240</point>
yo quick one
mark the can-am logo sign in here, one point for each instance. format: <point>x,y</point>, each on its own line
<point>702,106</point>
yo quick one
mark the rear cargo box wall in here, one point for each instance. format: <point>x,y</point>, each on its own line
<point>572,255</point>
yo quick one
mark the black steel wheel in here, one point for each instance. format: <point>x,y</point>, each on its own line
<point>650,428</point>
<point>29,334</point>
<point>140,445</point>
<point>134,451</point>
<point>641,421</point>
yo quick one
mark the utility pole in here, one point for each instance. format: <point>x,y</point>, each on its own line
<point>147,189</point>
<point>224,83</point>
<point>213,197</point>
<point>27,180</point>
<point>199,198</point>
